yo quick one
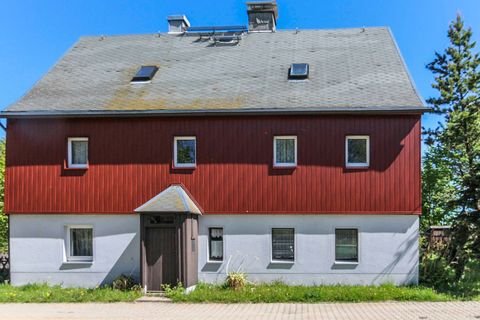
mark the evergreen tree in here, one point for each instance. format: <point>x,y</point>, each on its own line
<point>457,79</point>
<point>439,194</point>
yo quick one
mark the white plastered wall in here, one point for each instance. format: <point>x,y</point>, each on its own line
<point>37,249</point>
<point>388,249</point>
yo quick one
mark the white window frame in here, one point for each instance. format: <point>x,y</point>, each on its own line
<point>357,164</point>
<point>70,155</point>
<point>340,262</point>
<point>208,244</point>
<point>284,164</point>
<point>183,165</point>
<point>279,261</point>
<point>78,259</point>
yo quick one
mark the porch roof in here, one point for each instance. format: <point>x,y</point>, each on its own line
<point>175,198</point>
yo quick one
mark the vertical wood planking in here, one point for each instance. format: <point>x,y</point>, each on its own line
<point>131,161</point>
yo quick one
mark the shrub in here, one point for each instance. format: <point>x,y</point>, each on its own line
<point>236,280</point>
<point>173,292</point>
<point>125,283</point>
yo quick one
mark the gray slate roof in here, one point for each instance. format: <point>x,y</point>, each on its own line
<point>172,199</point>
<point>350,70</point>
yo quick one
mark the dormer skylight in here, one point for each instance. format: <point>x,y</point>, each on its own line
<point>145,74</point>
<point>298,71</point>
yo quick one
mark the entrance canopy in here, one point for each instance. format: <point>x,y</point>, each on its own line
<point>173,199</point>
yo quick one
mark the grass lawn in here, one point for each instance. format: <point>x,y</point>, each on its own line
<point>45,293</point>
<point>269,293</point>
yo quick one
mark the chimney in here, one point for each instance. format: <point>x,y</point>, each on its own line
<point>177,24</point>
<point>262,16</point>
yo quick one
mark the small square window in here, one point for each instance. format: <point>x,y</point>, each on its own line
<point>346,245</point>
<point>78,153</point>
<point>283,244</point>
<point>298,71</point>
<point>185,152</point>
<point>145,73</point>
<point>285,151</point>
<point>357,151</point>
<point>79,243</point>
<point>215,244</point>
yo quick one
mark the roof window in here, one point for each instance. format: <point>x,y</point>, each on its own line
<point>145,73</point>
<point>298,71</point>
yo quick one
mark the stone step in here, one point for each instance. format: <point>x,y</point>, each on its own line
<point>153,298</point>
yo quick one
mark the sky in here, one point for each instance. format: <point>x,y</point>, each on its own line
<point>35,34</point>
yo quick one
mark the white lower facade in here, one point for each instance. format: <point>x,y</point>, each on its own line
<point>387,249</point>
<point>38,249</point>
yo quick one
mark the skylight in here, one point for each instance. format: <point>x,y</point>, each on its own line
<point>298,71</point>
<point>145,73</point>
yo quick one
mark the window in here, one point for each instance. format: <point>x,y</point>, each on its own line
<point>215,244</point>
<point>79,243</point>
<point>184,152</point>
<point>285,151</point>
<point>78,153</point>
<point>357,153</point>
<point>298,71</point>
<point>346,245</point>
<point>283,244</point>
<point>145,74</point>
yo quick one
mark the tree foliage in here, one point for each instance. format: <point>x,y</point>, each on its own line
<point>3,217</point>
<point>451,174</point>
<point>457,80</point>
<point>439,194</point>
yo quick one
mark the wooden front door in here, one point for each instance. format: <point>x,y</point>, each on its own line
<point>161,257</point>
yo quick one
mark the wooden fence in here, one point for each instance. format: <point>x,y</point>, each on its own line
<point>4,268</point>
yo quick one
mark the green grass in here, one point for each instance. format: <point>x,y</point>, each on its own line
<point>270,293</point>
<point>44,293</point>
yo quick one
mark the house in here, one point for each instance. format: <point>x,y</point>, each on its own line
<point>289,155</point>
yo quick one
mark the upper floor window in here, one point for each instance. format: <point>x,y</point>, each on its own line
<point>184,152</point>
<point>78,153</point>
<point>357,151</point>
<point>285,151</point>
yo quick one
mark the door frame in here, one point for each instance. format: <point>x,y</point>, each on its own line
<point>144,224</point>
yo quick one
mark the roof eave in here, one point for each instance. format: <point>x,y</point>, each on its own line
<point>213,112</point>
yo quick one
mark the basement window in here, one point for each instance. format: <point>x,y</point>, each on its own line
<point>79,243</point>
<point>298,71</point>
<point>145,74</point>
<point>215,244</point>
<point>346,245</point>
<point>283,245</point>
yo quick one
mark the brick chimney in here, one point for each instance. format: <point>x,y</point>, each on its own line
<point>262,16</point>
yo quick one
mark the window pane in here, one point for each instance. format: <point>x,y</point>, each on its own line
<point>285,151</point>
<point>216,244</point>
<point>79,152</point>
<point>283,244</point>
<point>357,151</point>
<point>81,244</point>
<point>344,253</point>
<point>346,245</point>
<point>186,151</point>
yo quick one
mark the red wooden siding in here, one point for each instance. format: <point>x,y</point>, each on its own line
<point>131,161</point>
